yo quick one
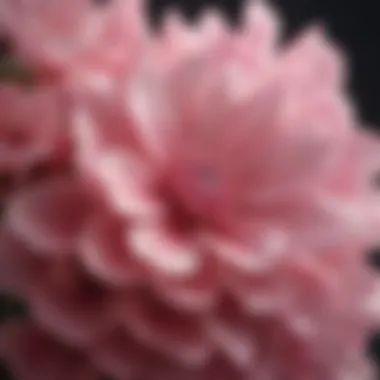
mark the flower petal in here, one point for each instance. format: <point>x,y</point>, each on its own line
<point>162,251</point>
<point>127,183</point>
<point>69,304</point>
<point>49,215</point>
<point>103,251</point>
<point>179,335</point>
<point>18,264</point>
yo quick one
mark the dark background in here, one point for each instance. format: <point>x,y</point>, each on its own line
<point>354,24</point>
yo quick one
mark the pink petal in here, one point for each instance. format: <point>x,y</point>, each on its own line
<point>163,252</point>
<point>260,294</point>
<point>231,331</point>
<point>103,251</point>
<point>262,26</point>
<point>178,335</point>
<point>69,304</point>
<point>27,140</point>
<point>197,293</point>
<point>127,183</point>
<point>49,215</point>
<point>261,251</point>
<point>18,265</point>
<point>324,63</point>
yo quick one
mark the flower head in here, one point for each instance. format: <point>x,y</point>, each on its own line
<point>212,220</point>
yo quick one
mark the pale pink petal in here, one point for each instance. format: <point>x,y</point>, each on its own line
<point>197,293</point>
<point>162,251</point>
<point>144,96</point>
<point>313,53</point>
<point>262,27</point>
<point>127,183</point>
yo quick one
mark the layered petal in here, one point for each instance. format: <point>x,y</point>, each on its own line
<point>49,215</point>
<point>33,354</point>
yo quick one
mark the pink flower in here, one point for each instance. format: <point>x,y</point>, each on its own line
<point>190,159</point>
<point>32,126</point>
<point>57,39</point>
<point>213,222</point>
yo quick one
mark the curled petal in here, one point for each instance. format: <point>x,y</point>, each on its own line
<point>163,252</point>
<point>197,293</point>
